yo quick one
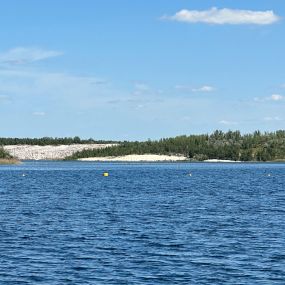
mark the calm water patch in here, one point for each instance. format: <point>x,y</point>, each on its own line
<point>64,223</point>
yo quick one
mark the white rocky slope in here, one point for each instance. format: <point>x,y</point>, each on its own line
<point>36,152</point>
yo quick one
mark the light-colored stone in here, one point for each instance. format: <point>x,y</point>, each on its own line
<point>36,152</point>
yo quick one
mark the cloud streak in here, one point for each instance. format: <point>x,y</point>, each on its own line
<point>22,55</point>
<point>205,88</point>
<point>224,16</point>
<point>276,97</point>
<point>273,97</point>
<point>228,123</point>
<point>270,119</point>
<point>51,90</point>
<point>39,114</point>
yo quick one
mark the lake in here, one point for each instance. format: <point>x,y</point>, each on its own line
<point>147,223</point>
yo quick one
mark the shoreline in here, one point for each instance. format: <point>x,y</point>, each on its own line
<point>178,159</point>
<point>138,158</point>
<point>60,152</point>
<point>222,161</point>
<point>7,161</point>
<point>165,158</point>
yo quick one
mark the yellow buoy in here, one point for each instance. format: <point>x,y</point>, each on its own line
<point>105,174</point>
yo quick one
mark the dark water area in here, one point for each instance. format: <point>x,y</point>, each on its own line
<point>64,223</point>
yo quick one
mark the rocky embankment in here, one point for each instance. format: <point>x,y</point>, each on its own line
<point>36,152</point>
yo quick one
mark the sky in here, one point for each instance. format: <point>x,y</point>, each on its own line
<point>136,69</point>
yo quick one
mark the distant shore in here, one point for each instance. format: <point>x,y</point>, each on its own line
<point>60,152</point>
<point>164,158</point>
<point>152,158</point>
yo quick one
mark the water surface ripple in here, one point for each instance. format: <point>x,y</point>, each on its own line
<point>64,223</point>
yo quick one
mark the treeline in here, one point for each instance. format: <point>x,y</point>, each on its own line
<point>231,145</point>
<point>49,141</point>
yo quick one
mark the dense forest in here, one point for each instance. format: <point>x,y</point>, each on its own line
<point>231,145</point>
<point>49,141</point>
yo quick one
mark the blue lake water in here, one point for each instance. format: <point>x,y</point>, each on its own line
<point>64,223</point>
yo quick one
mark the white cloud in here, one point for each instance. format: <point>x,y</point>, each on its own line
<point>39,113</point>
<point>205,88</point>
<point>144,90</point>
<point>186,118</point>
<point>228,123</point>
<point>22,55</point>
<point>276,97</point>
<point>225,16</point>
<point>53,90</point>
<point>273,97</point>
<point>141,86</point>
<point>184,88</point>
<point>140,89</point>
<point>270,119</point>
<point>33,82</point>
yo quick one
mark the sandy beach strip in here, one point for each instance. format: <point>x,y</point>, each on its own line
<point>219,160</point>
<point>138,158</point>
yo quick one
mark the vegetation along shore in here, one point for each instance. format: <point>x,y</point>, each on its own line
<point>231,145</point>
<point>6,158</point>
<point>218,146</point>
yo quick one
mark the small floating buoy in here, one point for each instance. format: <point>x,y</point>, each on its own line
<point>268,174</point>
<point>105,174</point>
<point>23,174</point>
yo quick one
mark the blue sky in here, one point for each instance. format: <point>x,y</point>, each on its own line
<point>131,71</point>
